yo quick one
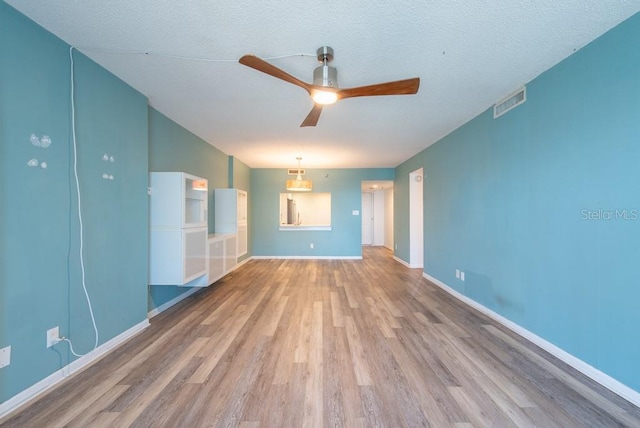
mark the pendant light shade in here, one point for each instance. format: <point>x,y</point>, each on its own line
<point>299,185</point>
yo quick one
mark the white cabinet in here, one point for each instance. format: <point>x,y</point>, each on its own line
<point>231,216</point>
<point>216,258</point>
<point>222,256</point>
<point>178,235</point>
<point>177,200</point>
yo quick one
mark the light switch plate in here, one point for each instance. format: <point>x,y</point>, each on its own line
<point>355,212</point>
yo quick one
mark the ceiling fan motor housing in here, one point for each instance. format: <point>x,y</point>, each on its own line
<point>325,75</point>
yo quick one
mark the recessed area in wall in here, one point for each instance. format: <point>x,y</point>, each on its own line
<point>305,211</point>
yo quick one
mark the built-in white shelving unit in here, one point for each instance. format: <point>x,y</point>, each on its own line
<point>179,229</point>
<point>231,216</point>
<point>222,255</point>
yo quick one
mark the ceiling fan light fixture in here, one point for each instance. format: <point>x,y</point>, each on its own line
<point>323,97</point>
<point>299,185</point>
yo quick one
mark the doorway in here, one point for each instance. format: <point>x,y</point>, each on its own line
<point>377,213</point>
<point>367,218</point>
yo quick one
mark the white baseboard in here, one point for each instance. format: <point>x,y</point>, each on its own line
<point>307,257</point>
<point>248,259</point>
<point>163,307</point>
<point>35,391</point>
<point>602,378</point>
<point>410,266</point>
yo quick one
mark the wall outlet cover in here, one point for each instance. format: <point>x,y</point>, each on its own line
<point>5,356</point>
<point>53,335</point>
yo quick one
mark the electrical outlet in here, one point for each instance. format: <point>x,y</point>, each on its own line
<point>396,246</point>
<point>5,356</point>
<point>311,246</point>
<point>462,276</point>
<point>53,336</point>
<point>458,273</point>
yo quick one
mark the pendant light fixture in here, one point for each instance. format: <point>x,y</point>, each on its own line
<point>299,185</point>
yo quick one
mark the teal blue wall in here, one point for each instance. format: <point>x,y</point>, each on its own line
<point>344,240</point>
<point>39,264</point>
<point>173,148</point>
<point>241,179</point>
<point>241,175</point>
<point>507,202</point>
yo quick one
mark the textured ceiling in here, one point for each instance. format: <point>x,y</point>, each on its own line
<point>468,55</point>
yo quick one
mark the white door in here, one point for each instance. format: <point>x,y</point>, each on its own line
<point>367,218</point>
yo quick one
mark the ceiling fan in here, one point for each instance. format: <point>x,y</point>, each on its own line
<point>324,89</point>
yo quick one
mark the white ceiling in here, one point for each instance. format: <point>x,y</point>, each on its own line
<point>468,55</point>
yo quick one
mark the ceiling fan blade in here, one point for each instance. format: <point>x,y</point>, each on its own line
<point>263,66</point>
<point>399,87</point>
<point>313,116</point>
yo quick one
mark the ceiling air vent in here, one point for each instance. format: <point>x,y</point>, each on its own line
<point>294,171</point>
<point>512,101</point>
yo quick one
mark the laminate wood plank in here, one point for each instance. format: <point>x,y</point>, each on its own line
<point>358,357</point>
<point>336,310</point>
<point>313,403</point>
<point>217,346</point>
<point>341,343</point>
<point>381,321</point>
<point>173,407</point>
<point>301,349</point>
<point>429,355</point>
<point>67,414</point>
<point>420,385</point>
<point>349,291</point>
<point>229,406</point>
<point>375,414</point>
<point>479,415</point>
<point>494,375</point>
<point>391,309</point>
<point>221,311</point>
<point>104,419</point>
<point>90,415</point>
<point>273,319</point>
<point>621,415</point>
<point>471,389</point>
<point>390,385</point>
<point>137,406</point>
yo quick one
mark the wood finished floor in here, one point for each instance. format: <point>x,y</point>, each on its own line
<point>293,343</point>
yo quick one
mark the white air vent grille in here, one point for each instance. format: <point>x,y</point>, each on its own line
<point>512,101</point>
<point>294,171</point>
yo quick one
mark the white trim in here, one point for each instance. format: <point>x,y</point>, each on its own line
<point>402,262</point>
<point>38,389</point>
<point>298,228</point>
<point>602,378</point>
<point>163,307</point>
<point>307,257</point>
<point>399,260</point>
<point>240,263</point>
